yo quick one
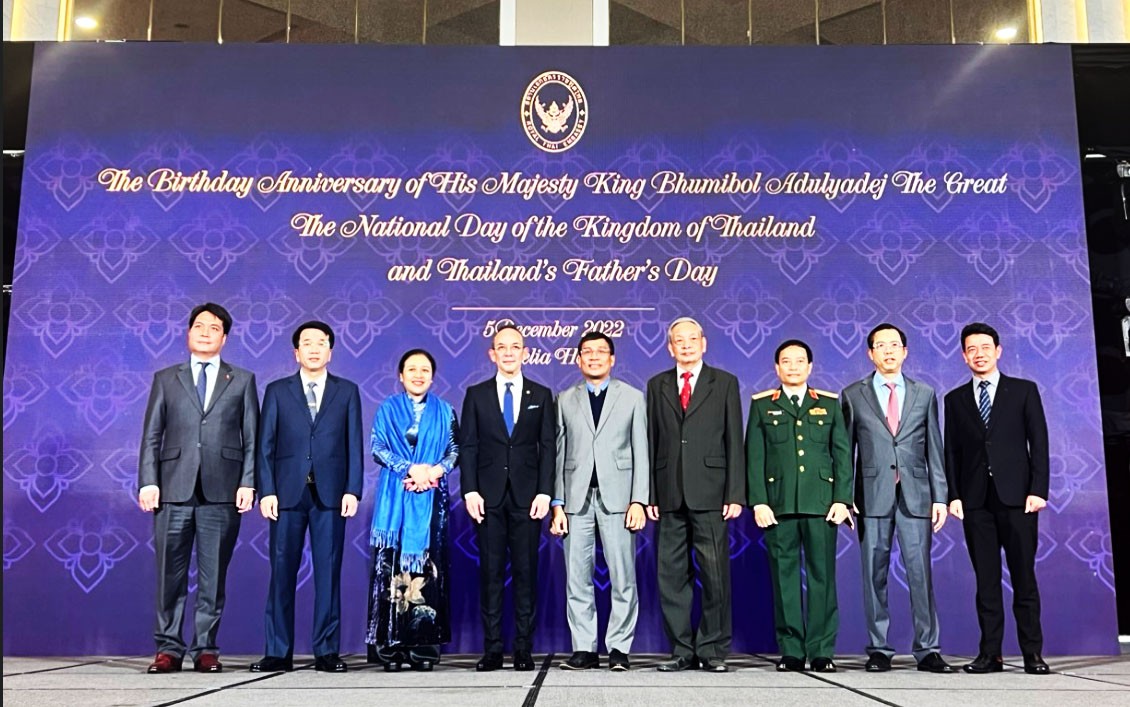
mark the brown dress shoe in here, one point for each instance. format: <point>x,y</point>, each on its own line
<point>165,663</point>
<point>207,663</point>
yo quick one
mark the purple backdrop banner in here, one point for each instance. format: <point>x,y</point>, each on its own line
<point>772,193</point>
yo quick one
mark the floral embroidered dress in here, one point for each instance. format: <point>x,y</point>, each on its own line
<point>409,615</point>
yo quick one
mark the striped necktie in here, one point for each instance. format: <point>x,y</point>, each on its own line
<point>984,405</point>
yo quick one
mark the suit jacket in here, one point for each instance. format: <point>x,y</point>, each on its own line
<point>914,450</point>
<point>1014,447</point>
<point>291,445</point>
<point>799,460</point>
<point>181,441</point>
<point>616,447</point>
<point>706,440</point>
<point>489,458</point>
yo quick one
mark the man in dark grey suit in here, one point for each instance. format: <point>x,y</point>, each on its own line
<point>601,486</point>
<point>196,473</point>
<point>900,489</point>
<point>698,483</point>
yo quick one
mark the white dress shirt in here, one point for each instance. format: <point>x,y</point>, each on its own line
<point>500,382</point>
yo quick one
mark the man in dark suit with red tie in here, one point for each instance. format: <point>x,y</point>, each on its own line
<point>311,472</point>
<point>997,468</point>
<point>507,452</point>
<point>698,484</point>
<point>196,473</point>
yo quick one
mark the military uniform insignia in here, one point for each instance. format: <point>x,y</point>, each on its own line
<point>817,411</point>
<point>774,412</point>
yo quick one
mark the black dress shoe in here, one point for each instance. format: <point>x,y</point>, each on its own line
<point>618,660</point>
<point>879,663</point>
<point>823,665</point>
<point>985,664</point>
<point>713,665</point>
<point>581,660</point>
<point>523,661</point>
<point>790,664</point>
<point>934,663</point>
<point>1034,664</point>
<point>330,663</point>
<point>423,666</point>
<point>677,664</point>
<point>392,666</point>
<point>489,662</point>
<point>273,664</point>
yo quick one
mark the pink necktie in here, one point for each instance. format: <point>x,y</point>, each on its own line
<point>685,393</point>
<point>892,409</point>
<point>893,417</point>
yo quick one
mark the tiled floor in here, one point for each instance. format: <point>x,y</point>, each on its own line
<point>1089,681</point>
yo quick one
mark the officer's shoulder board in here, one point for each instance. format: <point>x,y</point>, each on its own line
<point>764,394</point>
<point>826,393</point>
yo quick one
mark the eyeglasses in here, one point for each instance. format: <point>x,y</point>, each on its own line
<point>887,346</point>
<point>595,352</point>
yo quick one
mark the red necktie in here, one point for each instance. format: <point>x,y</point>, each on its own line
<point>685,393</point>
<point>892,409</point>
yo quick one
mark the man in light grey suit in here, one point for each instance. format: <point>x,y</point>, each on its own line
<point>900,489</point>
<point>601,486</point>
<point>196,474</point>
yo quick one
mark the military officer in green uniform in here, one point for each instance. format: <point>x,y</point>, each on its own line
<point>799,463</point>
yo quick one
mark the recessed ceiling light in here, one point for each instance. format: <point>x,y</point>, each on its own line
<point>86,22</point>
<point>1005,34</point>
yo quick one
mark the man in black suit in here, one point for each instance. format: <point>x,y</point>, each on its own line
<point>996,442</point>
<point>311,472</point>
<point>698,482</point>
<point>196,473</point>
<point>507,448</point>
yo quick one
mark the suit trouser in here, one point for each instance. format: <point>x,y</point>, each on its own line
<point>619,546</point>
<point>987,530</point>
<point>784,542</point>
<point>327,543</point>
<point>915,538</point>
<point>708,534</point>
<point>214,528</point>
<point>508,527</point>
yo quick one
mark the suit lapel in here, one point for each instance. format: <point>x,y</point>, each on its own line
<point>184,375</point>
<point>868,391</point>
<point>1000,397</point>
<point>965,400</point>
<point>670,391</point>
<point>223,379</point>
<point>702,389</point>
<point>611,393</point>
<point>327,396</point>
<point>299,393</point>
<point>782,402</point>
<point>913,390</point>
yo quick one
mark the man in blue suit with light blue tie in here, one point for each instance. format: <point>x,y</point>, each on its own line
<point>311,463</point>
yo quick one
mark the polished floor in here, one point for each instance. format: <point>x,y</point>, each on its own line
<point>106,681</point>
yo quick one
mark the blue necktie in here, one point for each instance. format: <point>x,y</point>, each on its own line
<point>202,383</point>
<point>508,409</point>
<point>311,400</point>
<point>983,403</point>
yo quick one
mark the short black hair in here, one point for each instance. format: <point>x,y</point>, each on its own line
<point>979,328</point>
<point>416,352</point>
<point>313,324</point>
<point>792,342</point>
<point>883,327</point>
<point>593,336</point>
<point>215,310</point>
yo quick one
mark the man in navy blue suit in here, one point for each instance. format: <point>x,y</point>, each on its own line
<point>310,475</point>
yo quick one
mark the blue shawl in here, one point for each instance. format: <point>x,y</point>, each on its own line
<point>402,519</point>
